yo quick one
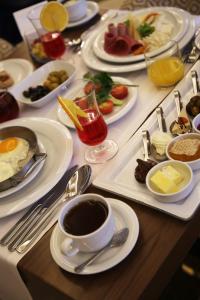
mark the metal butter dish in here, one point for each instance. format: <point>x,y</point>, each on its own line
<point>32,158</point>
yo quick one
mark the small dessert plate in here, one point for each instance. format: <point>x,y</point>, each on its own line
<point>124,217</point>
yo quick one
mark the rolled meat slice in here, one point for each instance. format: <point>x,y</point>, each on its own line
<point>122,29</point>
<point>123,45</point>
<point>112,29</point>
<point>109,41</point>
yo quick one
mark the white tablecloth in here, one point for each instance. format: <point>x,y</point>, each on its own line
<point>11,285</point>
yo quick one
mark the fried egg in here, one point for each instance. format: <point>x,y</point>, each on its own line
<point>12,151</point>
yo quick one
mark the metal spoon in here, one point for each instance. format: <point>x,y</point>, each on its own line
<point>77,184</point>
<point>117,240</point>
<point>162,127</point>
<point>145,165</point>
<point>182,124</point>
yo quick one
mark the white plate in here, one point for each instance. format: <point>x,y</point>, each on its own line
<point>58,144</point>
<point>180,26</point>
<point>38,77</point>
<point>118,112</point>
<point>28,179</point>
<point>92,10</point>
<point>118,175</point>
<point>124,217</point>
<point>93,62</point>
<point>17,68</point>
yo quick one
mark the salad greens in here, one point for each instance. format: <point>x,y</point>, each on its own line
<point>145,30</point>
<point>106,83</point>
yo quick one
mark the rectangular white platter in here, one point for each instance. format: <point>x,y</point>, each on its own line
<point>118,174</point>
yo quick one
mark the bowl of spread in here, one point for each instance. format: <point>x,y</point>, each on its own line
<point>185,148</point>
<point>170,181</point>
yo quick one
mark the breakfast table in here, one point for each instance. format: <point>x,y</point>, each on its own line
<point>163,241</point>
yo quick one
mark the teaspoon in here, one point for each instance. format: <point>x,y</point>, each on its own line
<point>117,240</point>
<point>160,139</point>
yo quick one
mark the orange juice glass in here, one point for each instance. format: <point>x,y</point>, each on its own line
<point>166,69</point>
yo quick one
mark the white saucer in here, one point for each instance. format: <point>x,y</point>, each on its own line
<point>17,68</point>
<point>124,217</point>
<point>92,10</point>
<point>116,114</point>
<point>29,178</point>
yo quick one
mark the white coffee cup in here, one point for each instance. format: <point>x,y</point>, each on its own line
<point>93,241</point>
<point>76,9</point>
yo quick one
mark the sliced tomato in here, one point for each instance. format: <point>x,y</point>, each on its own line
<point>106,107</point>
<point>92,86</point>
<point>119,91</point>
<point>81,102</point>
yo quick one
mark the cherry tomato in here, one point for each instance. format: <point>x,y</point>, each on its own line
<point>81,102</point>
<point>92,86</point>
<point>106,107</point>
<point>119,91</point>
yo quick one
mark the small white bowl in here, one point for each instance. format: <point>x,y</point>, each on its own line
<point>38,77</point>
<point>195,123</point>
<point>187,184</point>
<point>76,9</point>
<point>194,164</point>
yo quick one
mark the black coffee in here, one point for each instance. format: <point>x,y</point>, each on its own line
<point>85,217</point>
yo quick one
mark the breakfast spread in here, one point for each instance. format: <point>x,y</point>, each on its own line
<point>193,106</point>
<point>160,140</point>
<point>5,80</point>
<point>137,35</point>
<point>182,124</point>
<point>53,80</point>
<point>12,151</point>
<point>166,180</point>
<point>186,149</point>
<point>143,168</point>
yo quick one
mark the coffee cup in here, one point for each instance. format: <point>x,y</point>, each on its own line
<point>77,9</point>
<point>87,223</point>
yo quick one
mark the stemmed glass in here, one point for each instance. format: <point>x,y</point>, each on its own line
<point>92,130</point>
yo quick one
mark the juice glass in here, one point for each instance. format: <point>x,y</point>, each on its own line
<point>167,68</point>
<point>93,131</point>
<point>53,42</point>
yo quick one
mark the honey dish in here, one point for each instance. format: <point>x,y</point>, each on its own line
<point>170,181</point>
<point>18,150</point>
<point>185,148</point>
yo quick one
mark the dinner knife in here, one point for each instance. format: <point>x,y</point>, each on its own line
<point>36,209</point>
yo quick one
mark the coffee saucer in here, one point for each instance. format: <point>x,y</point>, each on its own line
<point>124,217</point>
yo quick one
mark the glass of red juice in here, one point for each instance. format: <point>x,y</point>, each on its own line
<point>53,42</point>
<point>9,108</point>
<point>94,130</point>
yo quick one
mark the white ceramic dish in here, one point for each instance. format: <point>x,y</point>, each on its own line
<point>76,9</point>
<point>124,217</point>
<point>186,185</point>
<point>17,68</point>
<point>38,77</point>
<point>93,62</point>
<point>174,18</point>
<point>58,144</point>
<point>28,179</point>
<point>118,112</point>
<point>92,10</point>
<point>118,174</point>
<point>194,164</point>
<point>196,123</point>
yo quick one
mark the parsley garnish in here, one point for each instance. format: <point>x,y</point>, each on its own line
<point>145,30</point>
